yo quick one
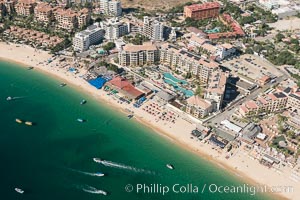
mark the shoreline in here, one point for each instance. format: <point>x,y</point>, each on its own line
<point>205,152</point>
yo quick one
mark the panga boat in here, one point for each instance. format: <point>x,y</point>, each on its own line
<point>80,120</point>
<point>170,166</point>
<point>130,116</point>
<point>19,121</point>
<point>99,174</point>
<point>62,84</point>
<point>102,192</point>
<point>83,101</point>
<point>28,123</point>
<point>19,190</point>
<point>97,160</point>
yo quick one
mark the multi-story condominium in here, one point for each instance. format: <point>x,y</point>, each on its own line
<point>81,1</point>
<point>114,29</point>
<point>225,50</point>
<point>268,103</point>
<point>84,39</point>
<point>221,51</point>
<point>65,19</point>
<point>69,19</point>
<point>198,107</point>
<point>196,41</point>
<point>202,11</point>
<point>83,17</point>
<point>43,12</point>
<point>7,6</point>
<point>2,9</point>
<point>134,25</point>
<point>216,88</point>
<point>182,60</point>
<point>294,101</point>
<point>153,29</point>
<point>137,55</point>
<point>25,7</point>
<point>111,7</point>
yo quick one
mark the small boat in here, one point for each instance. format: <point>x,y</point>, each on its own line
<point>9,98</point>
<point>102,192</point>
<point>97,160</point>
<point>130,116</point>
<point>83,101</point>
<point>62,84</point>
<point>19,190</point>
<point>99,174</point>
<point>170,166</point>
<point>29,123</point>
<point>19,121</point>
<point>80,120</point>
<point>30,68</point>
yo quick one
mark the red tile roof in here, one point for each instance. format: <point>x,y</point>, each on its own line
<point>126,87</point>
<point>204,6</point>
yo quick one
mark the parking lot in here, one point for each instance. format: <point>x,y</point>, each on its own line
<point>252,67</point>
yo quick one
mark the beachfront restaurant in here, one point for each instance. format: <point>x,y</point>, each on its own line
<point>125,88</point>
<point>164,97</point>
<point>217,141</point>
<point>268,160</point>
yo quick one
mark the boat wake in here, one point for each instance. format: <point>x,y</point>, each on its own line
<point>122,166</point>
<point>92,190</point>
<point>13,98</point>
<point>88,173</point>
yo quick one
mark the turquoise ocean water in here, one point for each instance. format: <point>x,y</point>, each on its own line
<point>48,160</point>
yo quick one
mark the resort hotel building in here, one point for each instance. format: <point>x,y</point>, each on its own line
<point>92,35</point>
<point>216,89</point>
<point>202,11</point>
<point>153,29</point>
<point>137,55</point>
<point>111,7</point>
<point>114,29</point>
<point>186,62</point>
<point>198,107</point>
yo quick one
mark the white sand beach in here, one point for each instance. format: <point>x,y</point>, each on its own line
<point>240,164</point>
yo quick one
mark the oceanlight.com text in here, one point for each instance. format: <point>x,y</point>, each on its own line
<point>156,188</point>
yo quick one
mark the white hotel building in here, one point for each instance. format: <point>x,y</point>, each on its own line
<point>84,39</point>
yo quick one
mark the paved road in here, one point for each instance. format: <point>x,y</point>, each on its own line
<point>231,109</point>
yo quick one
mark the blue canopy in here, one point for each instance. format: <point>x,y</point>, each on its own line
<point>98,82</point>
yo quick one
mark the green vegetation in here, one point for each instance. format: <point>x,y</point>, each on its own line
<point>275,144</point>
<point>188,75</point>
<point>65,44</point>
<point>279,37</point>
<point>273,54</point>
<point>206,24</point>
<point>199,91</point>
<point>257,13</point>
<point>282,58</point>
<point>109,66</point>
<point>109,46</point>
<point>297,77</point>
<point>138,39</point>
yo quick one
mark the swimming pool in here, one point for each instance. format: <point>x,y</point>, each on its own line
<point>171,80</point>
<point>169,76</point>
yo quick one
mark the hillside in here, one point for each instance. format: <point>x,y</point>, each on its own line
<point>152,4</point>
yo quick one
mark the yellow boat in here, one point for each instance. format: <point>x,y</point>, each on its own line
<point>28,123</point>
<point>19,121</point>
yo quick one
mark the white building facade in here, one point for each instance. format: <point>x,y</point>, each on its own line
<point>84,39</point>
